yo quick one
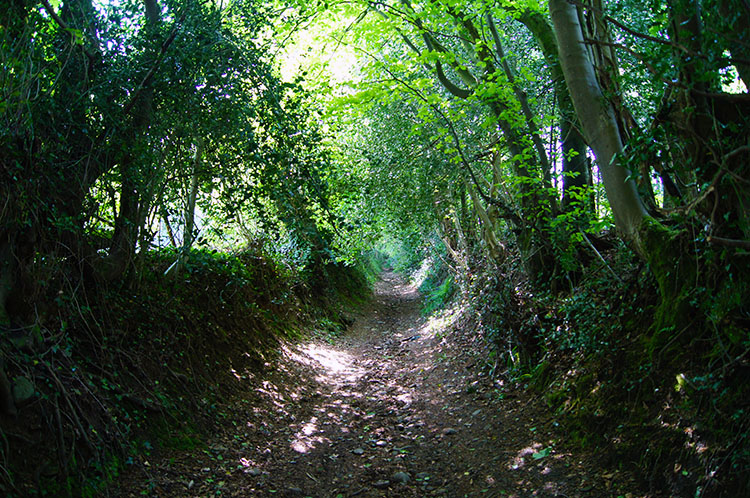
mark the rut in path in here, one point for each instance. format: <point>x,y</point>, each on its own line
<point>395,408</point>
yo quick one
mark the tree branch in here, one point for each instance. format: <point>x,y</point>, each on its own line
<point>147,79</point>
<point>739,244</point>
<point>454,89</point>
<point>521,96</point>
<point>64,26</point>
<point>739,98</point>
<point>661,41</point>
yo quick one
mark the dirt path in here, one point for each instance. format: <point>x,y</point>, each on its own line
<point>393,409</point>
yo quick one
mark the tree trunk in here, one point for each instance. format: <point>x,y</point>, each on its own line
<point>187,238</point>
<point>575,165</point>
<point>128,221</point>
<point>495,248</point>
<point>168,226</point>
<point>523,101</point>
<point>576,170</point>
<point>122,247</point>
<point>597,118</point>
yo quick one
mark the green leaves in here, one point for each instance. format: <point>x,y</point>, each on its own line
<point>541,454</point>
<point>76,35</point>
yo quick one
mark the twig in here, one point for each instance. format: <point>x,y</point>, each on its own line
<point>721,241</point>
<point>442,258</point>
<point>600,256</point>
<point>73,414</point>
<point>738,150</point>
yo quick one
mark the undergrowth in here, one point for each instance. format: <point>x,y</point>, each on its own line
<point>121,370</point>
<point>679,422</point>
<point>437,288</point>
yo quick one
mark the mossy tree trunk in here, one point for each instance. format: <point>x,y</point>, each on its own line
<point>684,263</point>
<point>655,243</point>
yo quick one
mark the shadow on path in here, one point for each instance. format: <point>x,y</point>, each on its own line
<point>397,407</point>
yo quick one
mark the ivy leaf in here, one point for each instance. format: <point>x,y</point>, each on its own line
<point>541,454</point>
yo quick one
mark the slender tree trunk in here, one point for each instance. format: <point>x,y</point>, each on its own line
<point>523,101</point>
<point>495,248</point>
<point>187,238</point>
<point>575,164</point>
<point>467,218</point>
<point>128,221</point>
<point>168,226</point>
<point>576,169</point>
<point>122,246</point>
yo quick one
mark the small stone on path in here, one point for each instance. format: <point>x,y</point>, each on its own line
<point>449,431</point>
<point>381,484</point>
<point>358,451</point>
<point>400,478</point>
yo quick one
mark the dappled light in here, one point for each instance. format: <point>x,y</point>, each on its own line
<point>393,410</point>
<point>408,248</point>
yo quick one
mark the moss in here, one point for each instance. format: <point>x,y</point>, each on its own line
<point>674,266</point>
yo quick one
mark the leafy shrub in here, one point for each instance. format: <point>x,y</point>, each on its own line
<point>437,287</point>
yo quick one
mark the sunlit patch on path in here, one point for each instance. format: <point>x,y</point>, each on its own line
<point>401,405</point>
<point>334,366</point>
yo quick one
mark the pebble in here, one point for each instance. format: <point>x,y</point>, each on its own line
<point>449,431</point>
<point>358,451</point>
<point>400,478</point>
<point>254,471</point>
<point>381,484</point>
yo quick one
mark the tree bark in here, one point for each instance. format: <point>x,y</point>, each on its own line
<point>495,248</point>
<point>597,118</point>
<point>576,170</point>
<point>128,221</point>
